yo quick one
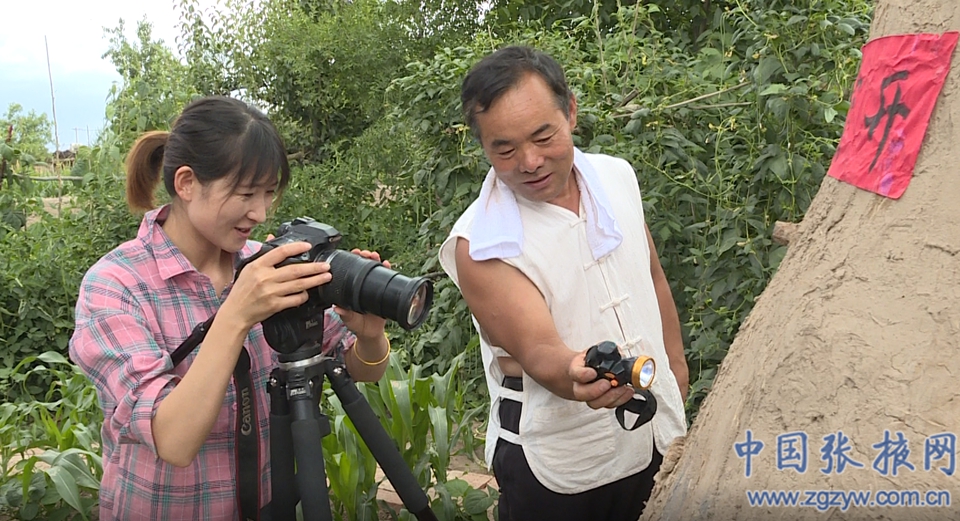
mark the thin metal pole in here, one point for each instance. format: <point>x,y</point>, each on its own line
<point>56,131</point>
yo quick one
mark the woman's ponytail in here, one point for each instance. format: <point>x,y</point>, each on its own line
<point>144,168</point>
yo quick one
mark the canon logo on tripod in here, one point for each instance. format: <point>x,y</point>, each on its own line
<point>245,418</point>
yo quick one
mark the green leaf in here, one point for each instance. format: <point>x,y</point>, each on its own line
<point>604,140</point>
<point>13,494</point>
<point>457,487</point>
<point>768,66</point>
<point>730,239</point>
<point>401,393</point>
<point>634,126</point>
<point>30,511</point>
<point>66,486</point>
<point>774,88</point>
<point>828,114</point>
<point>441,435</point>
<point>846,28</point>
<point>476,502</point>
<point>776,257</point>
<point>349,473</point>
<point>53,357</point>
<point>34,483</point>
<point>778,165</point>
<point>71,460</point>
<point>778,108</point>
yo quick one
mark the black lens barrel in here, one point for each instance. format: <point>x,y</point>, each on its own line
<point>367,286</point>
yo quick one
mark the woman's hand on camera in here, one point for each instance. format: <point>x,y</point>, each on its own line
<point>365,326</point>
<point>263,289</point>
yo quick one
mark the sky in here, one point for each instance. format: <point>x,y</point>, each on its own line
<point>75,35</point>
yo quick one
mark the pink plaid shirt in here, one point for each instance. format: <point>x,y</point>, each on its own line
<point>136,305</point>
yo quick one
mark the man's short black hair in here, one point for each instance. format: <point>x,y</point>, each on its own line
<point>492,76</point>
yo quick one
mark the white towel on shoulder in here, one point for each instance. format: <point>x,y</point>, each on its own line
<point>497,231</point>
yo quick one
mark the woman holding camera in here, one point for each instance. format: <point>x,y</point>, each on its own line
<point>169,432</point>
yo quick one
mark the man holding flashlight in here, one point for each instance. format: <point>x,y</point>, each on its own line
<point>553,257</point>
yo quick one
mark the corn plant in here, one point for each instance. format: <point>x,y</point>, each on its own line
<point>426,415</point>
<point>49,448</point>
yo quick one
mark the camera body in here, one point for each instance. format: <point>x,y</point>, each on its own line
<point>291,328</point>
<point>323,239</point>
<point>358,284</point>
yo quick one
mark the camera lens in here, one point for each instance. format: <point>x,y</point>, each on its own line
<point>418,305</point>
<point>368,286</point>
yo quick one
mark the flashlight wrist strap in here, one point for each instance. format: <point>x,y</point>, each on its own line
<point>644,409</point>
<point>356,352</point>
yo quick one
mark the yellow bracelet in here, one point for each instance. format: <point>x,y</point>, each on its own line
<point>378,362</point>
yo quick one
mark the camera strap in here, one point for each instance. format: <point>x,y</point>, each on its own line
<point>247,450</point>
<point>644,409</point>
<point>248,441</point>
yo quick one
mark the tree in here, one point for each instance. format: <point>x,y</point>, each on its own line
<point>849,357</point>
<point>155,85</point>
<point>687,18</point>
<point>31,132</point>
<point>321,66</point>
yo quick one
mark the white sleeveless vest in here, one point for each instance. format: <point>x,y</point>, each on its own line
<point>570,447</point>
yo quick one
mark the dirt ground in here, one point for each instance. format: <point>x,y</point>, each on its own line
<point>53,206</point>
<point>856,336</point>
<point>461,466</point>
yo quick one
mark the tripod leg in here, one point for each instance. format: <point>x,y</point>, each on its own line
<point>380,444</point>
<point>283,504</point>
<point>307,448</point>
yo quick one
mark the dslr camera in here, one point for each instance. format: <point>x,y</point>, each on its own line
<point>358,284</point>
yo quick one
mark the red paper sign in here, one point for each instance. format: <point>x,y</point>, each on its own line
<point>899,81</point>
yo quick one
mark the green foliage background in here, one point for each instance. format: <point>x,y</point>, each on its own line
<point>729,111</point>
<point>27,132</point>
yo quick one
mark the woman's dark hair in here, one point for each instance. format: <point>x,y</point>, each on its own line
<point>492,76</point>
<point>215,136</point>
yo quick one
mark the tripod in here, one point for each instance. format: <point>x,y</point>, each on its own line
<point>295,387</point>
<point>297,427</point>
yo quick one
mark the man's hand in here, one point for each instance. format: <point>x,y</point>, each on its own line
<point>596,393</point>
